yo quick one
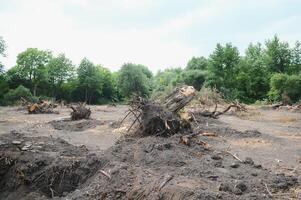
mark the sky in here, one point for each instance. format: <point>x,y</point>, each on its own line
<point>157,33</point>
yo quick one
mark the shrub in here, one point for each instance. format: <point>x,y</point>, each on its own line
<point>285,84</point>
<point>12,96</point>
<point>196,78</point>
<point>209,96</point>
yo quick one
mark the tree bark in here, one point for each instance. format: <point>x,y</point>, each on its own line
<point>179,98</point>
<point>35,86</point>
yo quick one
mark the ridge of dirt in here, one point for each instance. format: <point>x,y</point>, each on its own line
<point>162,168</point>
<point>43,166</point>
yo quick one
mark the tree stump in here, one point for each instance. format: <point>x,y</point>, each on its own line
<point>80,112</point>
<point>162,119</point>
<point>179,98</point>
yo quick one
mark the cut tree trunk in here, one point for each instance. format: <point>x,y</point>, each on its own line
<point>80,112</point>
<point>179,98</point>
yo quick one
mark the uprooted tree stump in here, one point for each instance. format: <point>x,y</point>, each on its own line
<point>80,112</point>
<point>41,107</point>
<point>179,98</point>
<point>161,119</point>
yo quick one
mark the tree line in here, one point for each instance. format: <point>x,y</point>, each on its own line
<point>265,72</point>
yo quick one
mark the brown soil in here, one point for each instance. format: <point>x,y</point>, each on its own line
<point>48,156</point>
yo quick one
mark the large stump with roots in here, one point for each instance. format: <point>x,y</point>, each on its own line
<point>162,119</point>
<point>80,112</point>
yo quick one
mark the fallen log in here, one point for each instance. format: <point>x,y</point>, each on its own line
<point>80,112</point>
<point>42,107</point>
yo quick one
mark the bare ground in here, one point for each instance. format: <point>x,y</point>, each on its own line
<point>92,159</point>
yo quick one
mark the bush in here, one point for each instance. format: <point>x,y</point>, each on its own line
<point>196,78</point>
<point>283,83</point>
<point>209,96</point>
<point>12,96</point>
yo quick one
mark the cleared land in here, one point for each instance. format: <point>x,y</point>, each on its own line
<point>48,156</point>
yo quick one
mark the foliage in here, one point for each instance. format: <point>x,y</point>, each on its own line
<point>196,78</point>
<point>32,65</point>
<point>15,95</point>
<point>277,55</point>
<point>197,63</point>
<point>167,78</point>
<point>252,78</point>
<point>263,73</point>
<point>2,52</point>
<point>133,79</point>
<point>209,96</point>
<point>90,80</point>
<point>285,84</point>
<point>59,69</point>
<point>223,68</point>
<point>295,67</point>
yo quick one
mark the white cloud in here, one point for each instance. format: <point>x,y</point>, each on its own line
<point>44,25</point>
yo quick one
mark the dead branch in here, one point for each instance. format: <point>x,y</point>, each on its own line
<point>234,156</point>
<point>105,173</point>
<point>166,180</point>
<point>214,114</point>
<point>266,187</point>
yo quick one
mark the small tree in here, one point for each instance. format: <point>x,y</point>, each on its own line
<point>59,69</point>
<point>90,80</point>
<point>134,79</point>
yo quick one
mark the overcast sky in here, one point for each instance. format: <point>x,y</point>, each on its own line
<point>156,33</point>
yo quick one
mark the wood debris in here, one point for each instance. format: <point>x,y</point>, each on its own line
<point>80,112</point>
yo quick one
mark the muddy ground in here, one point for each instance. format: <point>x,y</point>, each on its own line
<point>252,156</point>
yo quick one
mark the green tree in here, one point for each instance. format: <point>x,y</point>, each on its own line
<point>252,78</point>
<point>285,84</point>
<point>32,63</point>
<point>133,79</point>
<point>2,52</point>
<point>197,63</point>
<point>295,67</point>
<point>109,86</point>
<point>59,70</point>
<point>196,78</point>
<point>167,78</point>
<point>90,80</point>
<point>3,81</point>
<point>223,68</point>
<point>277,55</point>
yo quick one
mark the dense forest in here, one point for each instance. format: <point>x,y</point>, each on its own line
<point>264,72</point>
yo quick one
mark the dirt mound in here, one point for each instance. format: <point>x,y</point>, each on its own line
<point>42,167</point>
<point>161,168</point>
<point>78,125</point>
